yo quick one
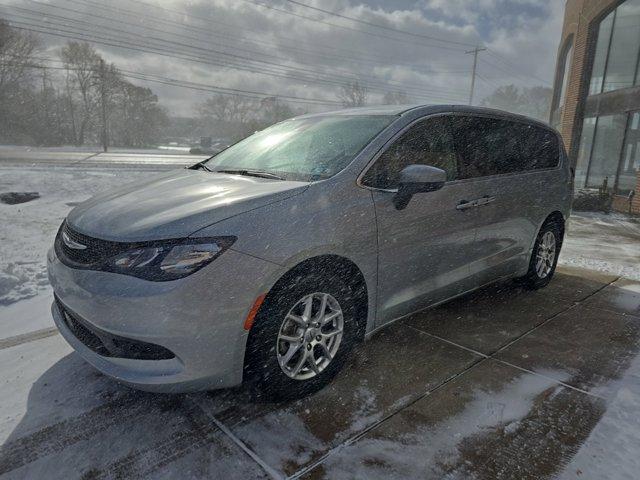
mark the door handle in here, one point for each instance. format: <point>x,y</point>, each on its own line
<point>465,205</point>
<point>485,200</point>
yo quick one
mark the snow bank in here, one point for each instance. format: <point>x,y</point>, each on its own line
<point>28,229</point>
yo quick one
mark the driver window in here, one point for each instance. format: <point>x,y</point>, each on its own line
<point>428,142</point>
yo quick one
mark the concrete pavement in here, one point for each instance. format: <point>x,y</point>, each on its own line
<point>502,383</point>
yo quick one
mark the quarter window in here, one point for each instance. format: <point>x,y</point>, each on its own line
<point>429,142</point>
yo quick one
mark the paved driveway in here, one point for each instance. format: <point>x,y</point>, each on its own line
<point>502,383</point>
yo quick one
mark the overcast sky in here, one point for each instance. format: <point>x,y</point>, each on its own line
<point>243,45</point>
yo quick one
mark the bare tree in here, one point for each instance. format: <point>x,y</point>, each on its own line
<point>535,101</point>
<point>140,118</point>
<point>109,85</point>
<point>90,102</point>
<point>395,98</point>
<point>17,50</point>
<point>273,110</point>
<point>17,78</point>
<point>229,108</point>
<point>82,63</point>
<point>353,94</point>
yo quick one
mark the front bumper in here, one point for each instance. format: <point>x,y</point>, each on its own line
<point>198,318</point>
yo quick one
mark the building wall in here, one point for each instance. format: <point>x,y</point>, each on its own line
<point>580,23</point>
<point>580,29</point>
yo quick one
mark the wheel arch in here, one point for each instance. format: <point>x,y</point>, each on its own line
<point>329,265</point>
<point>558,218</point>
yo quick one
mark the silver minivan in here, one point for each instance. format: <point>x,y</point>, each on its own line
<point>267,262</point>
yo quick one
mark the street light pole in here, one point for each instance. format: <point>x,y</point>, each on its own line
<point>475,52</point>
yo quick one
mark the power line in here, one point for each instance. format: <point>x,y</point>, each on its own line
<point>487,81</point>
<point>198,59</point>
<point>513,66</point>
<point>190,85</point>
<point>508,74</point>
<point>247,50</point>
<point>364,32</point>
<point>375,84</point>
<point>209,32</point>
<point>384,27</point>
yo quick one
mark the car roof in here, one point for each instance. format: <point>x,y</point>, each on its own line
<point>427,109</point>
<point>372,110</point>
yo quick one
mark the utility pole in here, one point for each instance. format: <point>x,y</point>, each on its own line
<point>103,98</point>
<point>475,52</point>
<point>45,96</point>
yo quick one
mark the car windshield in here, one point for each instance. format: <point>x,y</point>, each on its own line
<point>304,149</point>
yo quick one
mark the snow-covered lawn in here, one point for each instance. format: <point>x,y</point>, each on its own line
<point>607,243</point>
<point>28,229</point>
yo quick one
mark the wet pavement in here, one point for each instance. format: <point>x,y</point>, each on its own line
<point>502,383</point>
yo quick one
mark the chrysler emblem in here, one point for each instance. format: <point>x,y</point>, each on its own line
<point>72,244</point>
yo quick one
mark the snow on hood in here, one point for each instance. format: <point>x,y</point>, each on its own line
<point>175,204</point>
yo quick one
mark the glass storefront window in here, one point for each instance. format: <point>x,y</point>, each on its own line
<point>584,153</point>
<point>607,146</point>
<point>600,59</point>
<point>625,43</point>
<point>630,166</point>
<point>556,115</point>
<point>565,77</point>
<point>610,144</point>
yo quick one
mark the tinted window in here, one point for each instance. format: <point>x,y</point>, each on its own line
<point>427,143</point>
<point>479,142</point>
<point>539,147</point>
<point>488,146</point>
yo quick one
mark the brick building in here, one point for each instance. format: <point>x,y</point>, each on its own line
<point>596,102</point>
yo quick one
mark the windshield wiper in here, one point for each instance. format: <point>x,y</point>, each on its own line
<point>250,173</point>
<point>201,165</point>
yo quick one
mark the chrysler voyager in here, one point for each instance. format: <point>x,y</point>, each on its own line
<point>269,261</point>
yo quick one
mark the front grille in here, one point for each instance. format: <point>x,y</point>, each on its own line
<point>108,345</point>
<point>96,251</point>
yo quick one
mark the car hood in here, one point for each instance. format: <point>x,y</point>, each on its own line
<point>175,205</point>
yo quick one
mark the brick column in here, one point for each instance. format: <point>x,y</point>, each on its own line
<point>635,204</point>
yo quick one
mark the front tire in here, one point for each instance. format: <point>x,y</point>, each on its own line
<point>544,257</point>
<point>301,337</point>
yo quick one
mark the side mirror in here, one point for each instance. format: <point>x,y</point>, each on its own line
<point>418,179</point>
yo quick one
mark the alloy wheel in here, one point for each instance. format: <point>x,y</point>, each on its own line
<point>546,255</point>
<point>310,336</point>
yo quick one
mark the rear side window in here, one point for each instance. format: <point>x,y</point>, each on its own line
<point>543,148</point>
<point>488,146</point>
<point>428,142</point>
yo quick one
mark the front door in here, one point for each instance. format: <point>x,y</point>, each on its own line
<point>424,250</point>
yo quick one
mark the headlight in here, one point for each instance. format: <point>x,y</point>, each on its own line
<point>163,261</point>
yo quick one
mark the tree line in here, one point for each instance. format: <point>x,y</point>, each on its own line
<point>83,101</point>
<point>86,101</point>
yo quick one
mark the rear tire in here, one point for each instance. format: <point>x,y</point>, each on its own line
<point>544,257</point>
<point>301,337</point>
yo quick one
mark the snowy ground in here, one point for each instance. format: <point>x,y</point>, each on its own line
<point>607,243</point>
<point>28,229</point>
